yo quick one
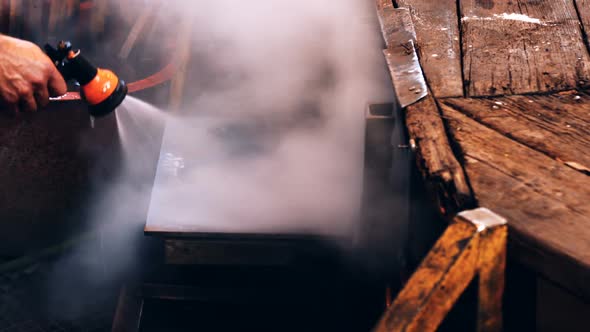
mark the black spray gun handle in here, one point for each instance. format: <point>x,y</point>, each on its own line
<point>59,56</point>
<point>70,63</point>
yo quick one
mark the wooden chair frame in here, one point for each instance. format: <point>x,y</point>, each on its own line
<point>473,245</point>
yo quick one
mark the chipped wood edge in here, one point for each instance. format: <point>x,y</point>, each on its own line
<point>435,158</point>
<point>437,283</point>
<point>491,266</point>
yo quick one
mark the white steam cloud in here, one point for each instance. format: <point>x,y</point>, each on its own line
<point>289,80</point>
<point>296,76</point>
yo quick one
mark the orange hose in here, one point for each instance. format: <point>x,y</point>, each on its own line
<point>163,75</point>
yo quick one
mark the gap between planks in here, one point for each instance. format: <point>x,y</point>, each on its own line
<point>544,200</point>
<point>555,125</point>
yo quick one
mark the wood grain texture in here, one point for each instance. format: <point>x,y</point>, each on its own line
<point>195,252</point>
<point>128,314</point>
<point>583,7</point>
<point>437,283</point>
<point>491,271</point>
<point>435,157</point>
<point>545,202</point>
<point>556,125</point>
<point>383,4</point>
<point>437,35</point>
<point>516,47</point>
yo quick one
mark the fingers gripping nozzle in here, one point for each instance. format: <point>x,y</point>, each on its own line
<point>101,89</point>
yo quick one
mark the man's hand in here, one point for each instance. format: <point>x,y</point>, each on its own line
<point>27,76</point>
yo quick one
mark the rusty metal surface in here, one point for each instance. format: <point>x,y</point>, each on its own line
<point>50,165</point>
<point>473,244</point>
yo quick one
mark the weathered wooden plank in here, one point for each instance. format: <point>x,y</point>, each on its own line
<point>16,13</point>
<point>556,125</point>
<point>545,202</point>
<point>437,34</point>
<point>435,157</point>
<point>515,47</point>
<point>474,243</point>
<point>128,314</point>
<point>583,7</point>
<point>437,283</point>
<point>35,14</point>
<point>183,55</point>
<point>383,4</point>
<point>491,271</point>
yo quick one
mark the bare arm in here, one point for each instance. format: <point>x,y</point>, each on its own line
<point>27,76</point>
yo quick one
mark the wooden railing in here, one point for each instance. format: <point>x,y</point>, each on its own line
<point>473,245</point>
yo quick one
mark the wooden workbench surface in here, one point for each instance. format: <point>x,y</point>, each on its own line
<point>508,80</point>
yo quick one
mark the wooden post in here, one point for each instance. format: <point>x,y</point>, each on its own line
<point>98,16</point>
<point>5,16</point>
<point>14,25</point>
<point>493,235</point>
<point>136,30</point>
<point>474,243</point>
<point>35,15</point>
<point>56,15</point>
<point>71,6</point>
<point>183,57</point>
<point>129,309</point>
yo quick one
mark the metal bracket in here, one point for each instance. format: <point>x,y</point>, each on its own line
<point>401,56</point>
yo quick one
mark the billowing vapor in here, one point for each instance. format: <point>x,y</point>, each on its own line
<point>270,135</point>
<point>269,138</point>
<point>299,75</point>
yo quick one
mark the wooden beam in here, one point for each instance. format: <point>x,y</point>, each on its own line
<point>35,16</point>
<point>98,16</point>
<point>71,7</point>
<point>440,279</point>
<point>15,23</point>
<point>491,267</point>
<point>473,243</point>
<point>3,17</point>
<point>437,36</point>
<point>210,252</point>
<point>545,201</point>
<point>435,157</point>
<point>136,30</point>
<point>56,15</point>
<point>583,8</point>
<point>516,47</point>
<point>427,133</point>
<point>555,125</point>
<point>129,309</point>
<point>183,56</point>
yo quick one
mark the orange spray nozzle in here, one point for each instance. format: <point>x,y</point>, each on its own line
<point>102,90</point>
